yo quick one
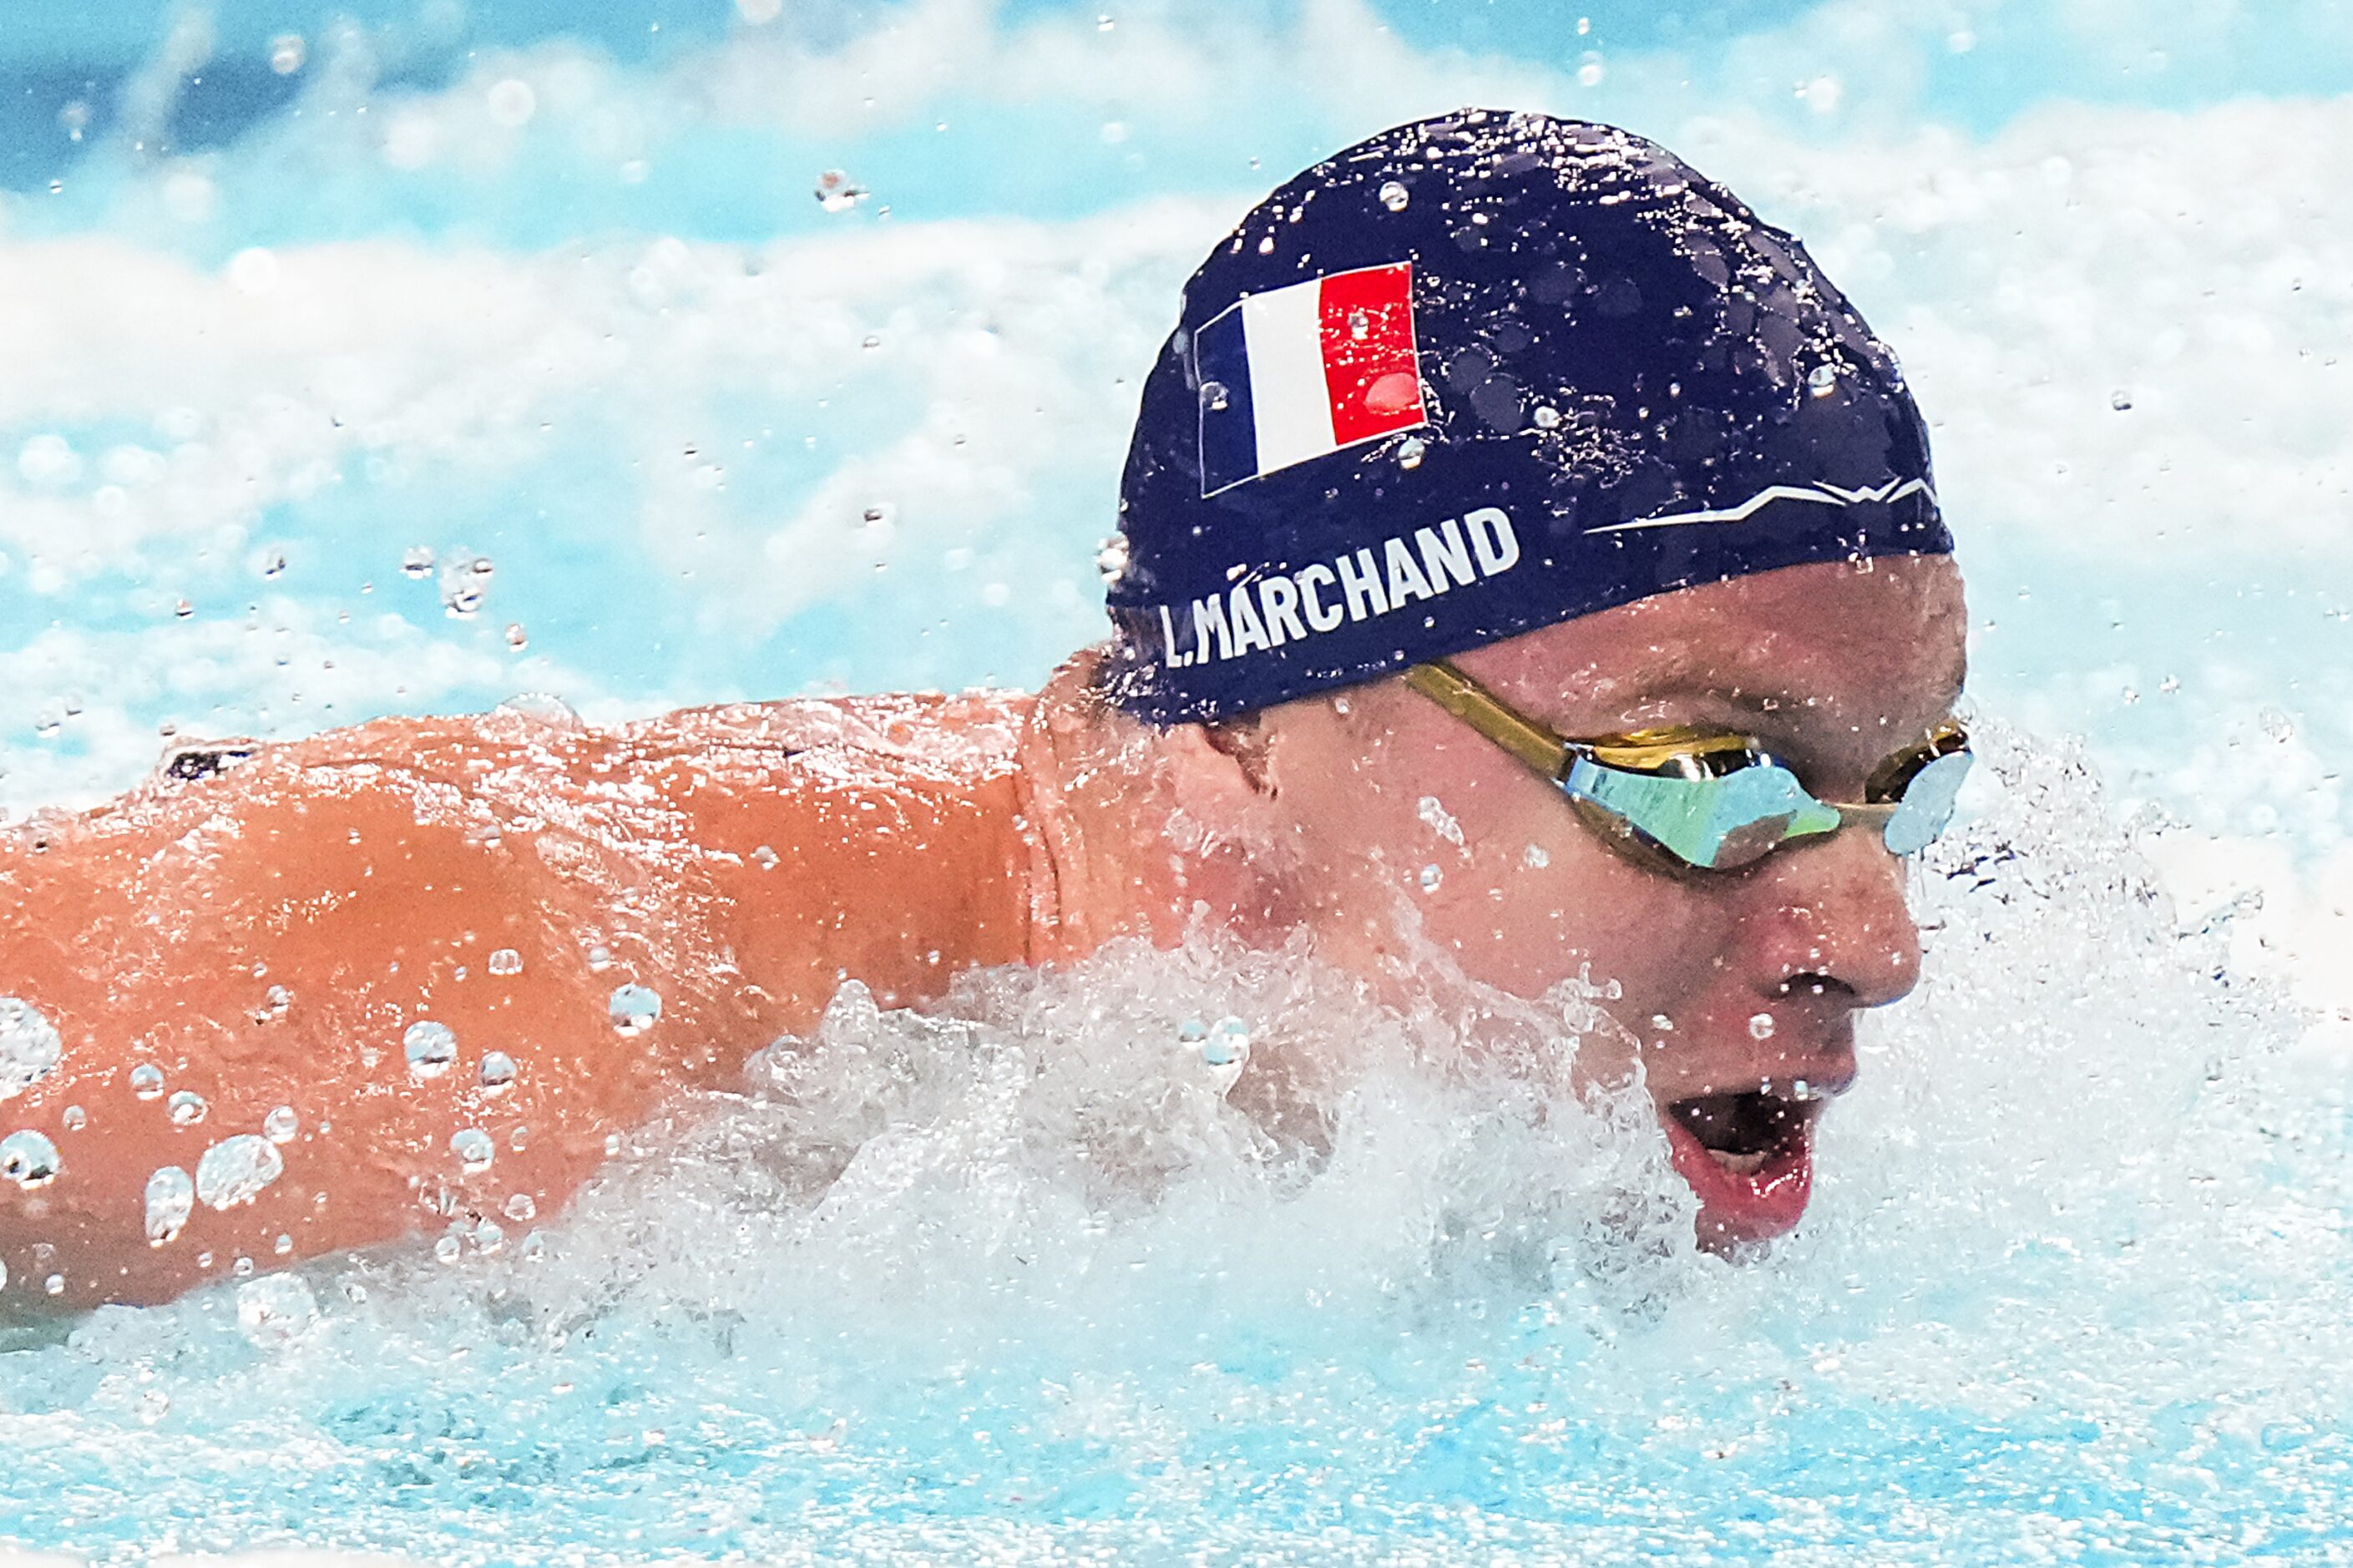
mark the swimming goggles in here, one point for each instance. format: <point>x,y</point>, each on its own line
<point>1707,800</point>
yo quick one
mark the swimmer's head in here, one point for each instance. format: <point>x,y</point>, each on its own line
<point>1534,398</point>
<point>1481,374</point>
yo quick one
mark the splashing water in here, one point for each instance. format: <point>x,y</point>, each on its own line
<point>1023,1275</point>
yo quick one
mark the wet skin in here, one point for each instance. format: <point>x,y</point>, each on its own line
<point>743,860</point>
<point>1743,982</point>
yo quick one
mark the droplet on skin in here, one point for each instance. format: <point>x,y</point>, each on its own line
<point>499,1076</point>
<point>506,960</point>
<point>170,1198</point>
<point>235,1170</point>
<point>187,1107</point>
<point>73,1119</point>
<point>28,1159</point>
<point>634,1008</point>
<point>1430,876</point>
<point>521,1208</point>
<point>1535,858</point>
<point>474,1150</point>
<point>281,1124</point>
<point>1760,1027</point>
<point>430,1048</point>
<point>30,1046</point>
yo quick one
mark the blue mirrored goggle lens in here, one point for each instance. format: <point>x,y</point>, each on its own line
<point>1927,807</point>
<point>1735,819</point>
<point>1714,822</point>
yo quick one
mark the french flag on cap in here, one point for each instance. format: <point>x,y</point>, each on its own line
<point>1303,371</point>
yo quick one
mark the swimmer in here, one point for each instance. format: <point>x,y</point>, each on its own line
<point>1528,562</point>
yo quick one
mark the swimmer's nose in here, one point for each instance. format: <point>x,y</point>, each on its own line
<point>1836,908</point>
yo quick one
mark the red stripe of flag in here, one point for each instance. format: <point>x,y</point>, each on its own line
<point>1367,320</point>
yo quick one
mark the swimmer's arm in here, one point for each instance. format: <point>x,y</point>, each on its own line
<point>266,937</point>
<point>265,934</point>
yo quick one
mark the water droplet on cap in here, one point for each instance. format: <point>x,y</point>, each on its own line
<point>1410,452</point>
<point>1394,196</point>
<point>1430,876</point>
<point>1822,380</point>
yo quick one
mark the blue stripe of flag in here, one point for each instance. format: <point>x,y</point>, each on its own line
<point>1229,428</point>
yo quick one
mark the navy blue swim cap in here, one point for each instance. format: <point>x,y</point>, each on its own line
<point>1481,374</point>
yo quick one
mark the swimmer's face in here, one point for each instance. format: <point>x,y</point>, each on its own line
<point>1737,985</point>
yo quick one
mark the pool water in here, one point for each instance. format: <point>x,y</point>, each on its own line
<point>416,361</point>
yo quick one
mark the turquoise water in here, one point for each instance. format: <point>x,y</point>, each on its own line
<point>312,315</point>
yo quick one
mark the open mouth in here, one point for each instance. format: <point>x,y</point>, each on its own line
<point>1743,1133</point>
<point>1749,1158</point>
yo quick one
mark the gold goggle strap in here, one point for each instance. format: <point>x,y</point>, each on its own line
<point>1467,701</point>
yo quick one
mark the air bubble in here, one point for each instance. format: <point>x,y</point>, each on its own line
<point>430,1048</point>
<point>1225,1042</point>
<point>275,1310</point>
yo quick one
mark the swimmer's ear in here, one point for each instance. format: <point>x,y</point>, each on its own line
<point>1227,758</point>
